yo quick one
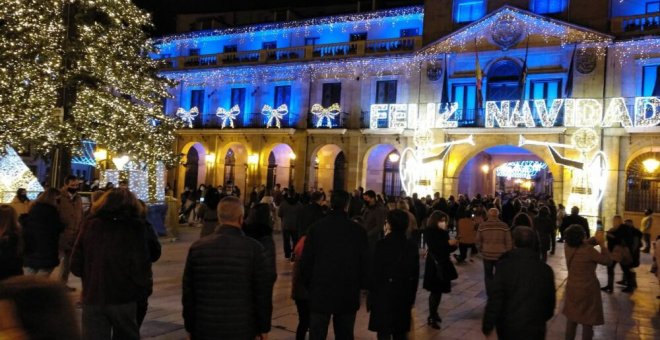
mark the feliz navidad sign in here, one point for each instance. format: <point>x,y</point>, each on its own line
<point>583,112</point>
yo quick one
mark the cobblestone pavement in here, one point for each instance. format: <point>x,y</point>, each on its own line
<point>627,316</point>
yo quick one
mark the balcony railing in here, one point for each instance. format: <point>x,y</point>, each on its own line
<point>300,53</point>
<point>637,24</point>
<point>251,121</point>
<point>340,122</point>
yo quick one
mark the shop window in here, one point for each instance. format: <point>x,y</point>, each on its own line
<point>331,94</point>
<point>548,6</point>
<point>468,10</point>
<point>651,81</point>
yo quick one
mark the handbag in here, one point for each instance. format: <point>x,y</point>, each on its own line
<point>444,271</point>
<point>622,254</point>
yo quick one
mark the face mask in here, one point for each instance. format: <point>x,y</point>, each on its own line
<point>442,225</point>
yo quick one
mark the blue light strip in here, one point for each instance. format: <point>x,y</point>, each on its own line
<point>87,157</point>
<point>520,169</point>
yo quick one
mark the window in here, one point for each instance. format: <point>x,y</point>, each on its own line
<point>409,32</point>
<point>358,36</point>
<point>468,10</point>
<point>269,45</point>
<point>651,81</point>
<point>653,7</point>
<point>282,95</point>
<point>230,48</point>
<point>311,41</point>
<point>391,178</point>
<point>548,89</point>
<point>331,94</point>
<point>548,6</point>
<point>193,51</point>
<point>197,99</point>
<point>238,98</point>
<point>386,92</point>
<point>230,164</point>
<point>465,95</point>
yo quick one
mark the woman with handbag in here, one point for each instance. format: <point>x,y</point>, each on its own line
<point>583,304</point>
<point>618,240</point>
<point>439,270</point>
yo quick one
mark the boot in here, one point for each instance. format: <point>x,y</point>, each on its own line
<point>432,322</point>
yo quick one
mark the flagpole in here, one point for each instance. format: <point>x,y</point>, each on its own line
<point>523,75</point>
<point>478,81</point>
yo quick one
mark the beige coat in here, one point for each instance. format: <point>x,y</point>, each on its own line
<point>20,207</point>
<point>583,301</point>
<point>71,214</point>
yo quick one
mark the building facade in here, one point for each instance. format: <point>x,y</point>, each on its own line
<point>462,96</point>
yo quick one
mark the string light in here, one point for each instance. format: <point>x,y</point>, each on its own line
<point>520,169</point>
<point>187,116</point>
<point>327,114</point>
<point>274,115</point>
<point>15,174</point>
<point>228,115</point>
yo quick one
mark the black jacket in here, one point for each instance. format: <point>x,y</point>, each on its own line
<point>334,264</point>
<point>41,233</point>
<point>264,235</point>
<point>226,287</point>
<point>309,215</point>
<point>11,262</point>
<point>569,220</point>
<point>522,296</point>
<point>393,286</point>
<point>438,242</point>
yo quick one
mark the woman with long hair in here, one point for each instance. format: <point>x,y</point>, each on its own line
<point>583,301</point>
<point>394,279</point>
<point>41,233</point>
<point>439,270</point>
<point>11,261</point>
<point>110,256</point>
<point>544,225</point>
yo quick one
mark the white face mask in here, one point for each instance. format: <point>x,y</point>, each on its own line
<point>442,225</point>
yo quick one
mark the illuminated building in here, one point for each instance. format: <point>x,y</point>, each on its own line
<point>579,95</point>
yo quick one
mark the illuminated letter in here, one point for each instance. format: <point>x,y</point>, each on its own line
<point>588,113</point>
<point>443,117</point>
<point>378,111</point>
<point>523,116</point>
<point>548,119</point>
<point>398,116</point>
<point>493,113</point>
<point>647,111</point>
<point>413,116</point>
<point>617,112</point>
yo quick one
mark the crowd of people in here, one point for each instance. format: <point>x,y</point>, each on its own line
<point>342,246</point>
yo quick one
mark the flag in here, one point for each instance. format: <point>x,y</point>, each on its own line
<point>522,82</point>
<point>568,92</point>
<point>479,78</point>
<point>444,101</point>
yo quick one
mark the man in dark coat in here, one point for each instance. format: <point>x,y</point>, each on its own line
<point>226,285</point>
<point>310,213</point>
<point>373,218</point>
<point>575,218</point>
<point>522,294</point>
<point>333,267</point>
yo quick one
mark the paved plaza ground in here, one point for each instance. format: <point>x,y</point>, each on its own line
<point>627,316</point>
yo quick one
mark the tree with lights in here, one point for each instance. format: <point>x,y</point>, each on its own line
<point>89,58</point>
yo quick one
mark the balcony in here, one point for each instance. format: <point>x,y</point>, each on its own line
<point>302,53</point>
<point>252,121</point>
<point>340,122</point>
<point>644,24</point>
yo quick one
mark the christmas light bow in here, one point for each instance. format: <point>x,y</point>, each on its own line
<point>228,115</point>
<point>274,114</point>
<point>327,114</point>
<point>187,116</point>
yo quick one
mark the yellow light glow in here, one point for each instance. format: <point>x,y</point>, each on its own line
<point>651,164</point>
<point>292,156</point>
<point>100,155</point>
<point>394,157</point>
<point>317,160</point>
<point>485,168</point>
<point>210,158</point>
<point>253,159</point>
<point>120,161</point>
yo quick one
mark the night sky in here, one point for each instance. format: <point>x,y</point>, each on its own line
<point>164,11</point>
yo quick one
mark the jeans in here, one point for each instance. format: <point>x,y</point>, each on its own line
<point>303,319</point>
<point>110,322</point>
<point>392,336</point>
<point>342,324</point>
<point>44,272</point>
<point>289,239</point>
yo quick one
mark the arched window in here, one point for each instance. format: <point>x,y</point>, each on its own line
<point>642,187</point>
<point>271,175</point>
<point>230,164</point>
<point>391,177</point>
<point>192,168</point>
<point>504,81</point>
<point>339,177</point>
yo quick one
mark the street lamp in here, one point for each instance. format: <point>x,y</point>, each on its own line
<point>210,162</point>
<point>485,168</point>
<point>253,159</point>
<point>394,157</point>
<point>292,156</point>
<point>651,164</point>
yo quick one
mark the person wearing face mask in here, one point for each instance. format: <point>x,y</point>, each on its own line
<point>21,203</point>
<point>71,214</point>
<point>439,270</point>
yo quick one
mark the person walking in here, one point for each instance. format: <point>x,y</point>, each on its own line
<point>299,292</point>
<point>11,259</point>
<point>493,240</point>
<point>522,296</point>
<point>288,212</point>
<point>71,214</point>
<point>575,218</point>
<point>467,234</point>
<point>645,226</point>
<point>373,219</point>
<point>21,202</point>
<point>41,233</point>
<point>152,253</point>
<point>110,257</point>
<point>439,271</point>
<point>544,226</point>
<point>334,268</point>
<point>259,226</point>
<point>618,238</point>
<point>226,285</point>
<point>394,279</point>
<point>310,213</point>
<point>583,303</point>
<point>207,211</point>
<point>561,213</point>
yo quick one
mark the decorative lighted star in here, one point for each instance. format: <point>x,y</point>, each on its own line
<point>327,114</point>
<point>274,114</point>
<point>187,116</point>
<point>228,115</point>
